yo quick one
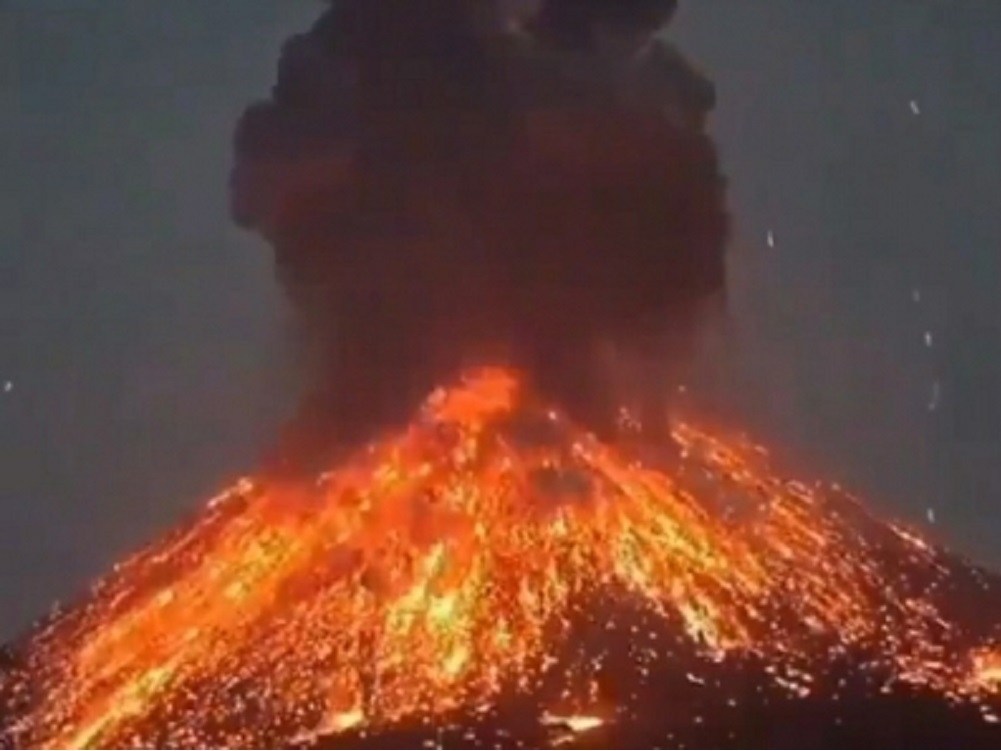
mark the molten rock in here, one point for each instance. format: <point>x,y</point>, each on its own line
<point>491,575</point>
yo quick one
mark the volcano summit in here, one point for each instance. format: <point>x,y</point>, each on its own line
<point>458,182</point>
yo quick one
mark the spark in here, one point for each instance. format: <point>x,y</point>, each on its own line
<point>771,239</point>
<point>915,107</point>
<point>576,723</point>
<point>456,563</point>
<point>8,386</point>
<point>936,397</point>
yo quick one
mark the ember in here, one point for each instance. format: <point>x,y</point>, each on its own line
<point>987,669</point>
<point>486,553</point>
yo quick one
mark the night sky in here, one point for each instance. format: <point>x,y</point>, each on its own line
<point>143,356</point>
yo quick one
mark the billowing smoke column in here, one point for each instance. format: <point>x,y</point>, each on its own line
<point>448,182</point>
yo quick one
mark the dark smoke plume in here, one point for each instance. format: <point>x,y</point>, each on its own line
<point>447,182</point>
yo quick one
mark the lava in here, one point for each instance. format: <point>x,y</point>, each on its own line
<point>987,669</point>
<point>570,727</point>
<point>485,551</point>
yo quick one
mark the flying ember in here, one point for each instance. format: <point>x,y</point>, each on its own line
<point>987,669</point>
<point>490,552</point>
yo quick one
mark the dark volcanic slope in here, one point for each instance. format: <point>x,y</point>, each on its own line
<point>901,721</point>
<point>740,707</point>
<point>492,576</point>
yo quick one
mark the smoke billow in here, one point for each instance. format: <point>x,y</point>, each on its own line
<point>451,181</point>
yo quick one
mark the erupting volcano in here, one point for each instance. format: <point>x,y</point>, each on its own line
<point>492,576</point>
<point>499,572</point>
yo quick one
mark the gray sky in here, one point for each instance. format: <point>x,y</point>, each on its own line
<point>865,136</point>
<point>142,334</point>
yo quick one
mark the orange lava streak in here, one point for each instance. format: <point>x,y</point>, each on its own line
<point>570,727</point>
<point>449,565</point>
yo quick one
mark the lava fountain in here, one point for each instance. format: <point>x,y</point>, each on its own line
<point>488,552</point>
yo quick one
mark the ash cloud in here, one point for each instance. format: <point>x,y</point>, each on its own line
<point>447,182</point>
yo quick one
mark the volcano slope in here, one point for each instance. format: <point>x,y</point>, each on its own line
<point>491,577</point>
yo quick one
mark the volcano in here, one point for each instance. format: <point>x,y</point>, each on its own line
<point>491,576</point>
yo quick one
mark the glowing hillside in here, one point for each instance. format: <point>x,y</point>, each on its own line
<point>489,551</point>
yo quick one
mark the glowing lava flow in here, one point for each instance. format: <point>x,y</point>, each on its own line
<point>451,566</point>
